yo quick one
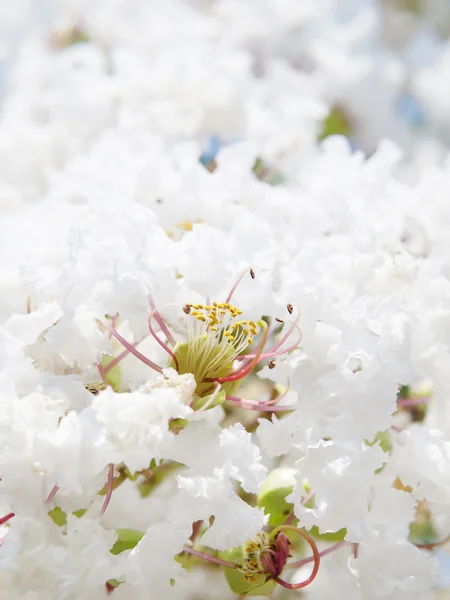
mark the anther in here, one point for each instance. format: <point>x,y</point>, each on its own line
<point>290,308</point>
<point>186,309</point>
<point>272,364</point>
<point>279,320</point>
<point>252,273</point>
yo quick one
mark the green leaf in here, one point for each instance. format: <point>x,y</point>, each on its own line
<point>58,516</point>
<point>114,376</point>
<point>127,540</point>
<point>329,536</point>
<point>384,438</point>
<point>336,123</point>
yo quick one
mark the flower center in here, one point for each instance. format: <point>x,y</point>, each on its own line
<point>265,555</point>
<point>216,337</point>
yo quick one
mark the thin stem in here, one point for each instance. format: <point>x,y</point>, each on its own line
<point>288,334</point>
<point>161,323</point>
<point>274,351</point>
<point>135,352</point>
<point>211,559</point>
<point>305,561</point>
<point>160,342</point>
<point>6,518</point>
<point>259,407</point>
<point>413,401</point>
<point>52,494</point>
<point>102,373</point>
<point>233,289</point>
<point>121,356</point>
<point>110,490</point>
<point>316,558</point>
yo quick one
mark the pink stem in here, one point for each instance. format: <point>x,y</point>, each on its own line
<point>288,334</point>
<point>110,490</point>
<point>259,407</point>
<point>212,559</point>
<point>121,356</point>
<point>233,289</point>
<point>273,352</point>
<point>161,323</point>
<point>101,370</point>
<point>135,352</point>
<point>52,494</point>
<point>305,561</point>
<point>160,342</point>
<point>414,401</point>
<point>113,323</point>
<point>7,517</point>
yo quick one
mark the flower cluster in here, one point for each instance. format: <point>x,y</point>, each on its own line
<point>224,299</point>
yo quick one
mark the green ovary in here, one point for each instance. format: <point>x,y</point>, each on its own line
<point>204,361</point>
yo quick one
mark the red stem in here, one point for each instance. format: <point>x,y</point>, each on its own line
<point>7,517</point>
<point>316,559</point>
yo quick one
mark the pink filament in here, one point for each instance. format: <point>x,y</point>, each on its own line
<point>305,561</point>
<point>102,372</point>
<point>135,352</point>
<point>287,335</point>
<point>161,323</point>
<point>52,494</point>
<point>414,401</point>
<point>121,356</point>
<point>160,342</point>
<point>274,351</point>
<point>233,289</point>
<point>110,490</point>
<point>248,404</point>
<point>207,557</point>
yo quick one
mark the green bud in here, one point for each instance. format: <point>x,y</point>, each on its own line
<point>272,495</point>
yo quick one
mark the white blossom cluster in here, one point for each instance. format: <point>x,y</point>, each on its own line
<point>224,299</point>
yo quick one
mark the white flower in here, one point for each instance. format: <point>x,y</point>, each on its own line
<point>234,521</point>
<point>136,425</point>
